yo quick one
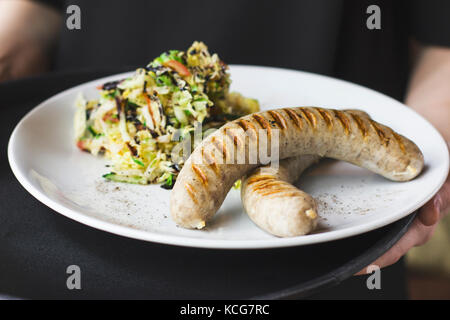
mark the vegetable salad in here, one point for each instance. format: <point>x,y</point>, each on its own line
<point>136,122</point>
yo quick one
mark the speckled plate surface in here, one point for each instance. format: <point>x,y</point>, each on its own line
<point>351,200</point>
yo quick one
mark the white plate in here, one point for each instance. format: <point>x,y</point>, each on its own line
<point>351,200</point>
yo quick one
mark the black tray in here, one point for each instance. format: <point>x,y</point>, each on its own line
<point>37,244</point>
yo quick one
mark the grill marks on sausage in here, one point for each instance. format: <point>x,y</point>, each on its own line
<point>263,123</point>
<point>399,140</point>
<point>266,184</point>
<point>221,147</point>
<point>344,121</point>
<point>288,193</point>
<point>243,124</point>
<point>380,133</point>
<point>309,116</point>
<point>246,126</point>
<point>259,178</point>
<point>269,185</point>
<point>200,174</point>
<point>190,191</point>
<point>360,124</point>
<point>295,118</point>
<point>234,138</point>
<point>326,117</point>
<point>279,119</point>
<point>211,162</point>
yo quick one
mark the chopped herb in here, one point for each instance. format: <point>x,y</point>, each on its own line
<point>127,179</point>
<point>109,175</point>
<point>95,133</point>
<point>131,105</point>
<point>194,88</point>
<point>164,80</point>
<point>168,185</point>
<point>113,94</point>
<point>166,56</point>
<point>139,162</point>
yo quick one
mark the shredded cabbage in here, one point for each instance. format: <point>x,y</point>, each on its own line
<point>136,122</point>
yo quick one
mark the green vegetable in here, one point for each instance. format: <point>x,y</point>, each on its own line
<point>171,55</point>
<point>164,80</point>
<point>139,162</point>
<point>94,133</point>
<point>113,95</point>
<point>126,179</point>
<point>200,99</point>
<point>169,183</point>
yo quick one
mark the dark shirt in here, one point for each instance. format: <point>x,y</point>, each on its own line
<point>323,36</point>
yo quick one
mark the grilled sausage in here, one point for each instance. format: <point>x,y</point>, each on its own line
<point>274,204</point>
<point>204,182</point>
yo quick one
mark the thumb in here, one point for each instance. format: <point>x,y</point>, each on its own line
<point>436,208</point>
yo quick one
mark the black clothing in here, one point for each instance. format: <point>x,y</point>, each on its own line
<point>322,36</point>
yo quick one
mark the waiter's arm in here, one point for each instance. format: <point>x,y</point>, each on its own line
<point>428,94</point>
<point>429,90</point>
<point>28,31</point>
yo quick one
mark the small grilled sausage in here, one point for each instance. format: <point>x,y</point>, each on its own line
<point>204,182</point>
<point>274,204</point>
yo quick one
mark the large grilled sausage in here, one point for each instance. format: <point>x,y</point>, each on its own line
<point>203,183</point>
<point>274,204</point>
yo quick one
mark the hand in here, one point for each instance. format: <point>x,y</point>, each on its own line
<point>421,229</point>
<point>28,30</point>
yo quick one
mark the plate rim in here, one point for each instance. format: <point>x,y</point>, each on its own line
<point>183,241</point>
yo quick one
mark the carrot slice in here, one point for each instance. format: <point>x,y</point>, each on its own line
<point>178,67</point>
